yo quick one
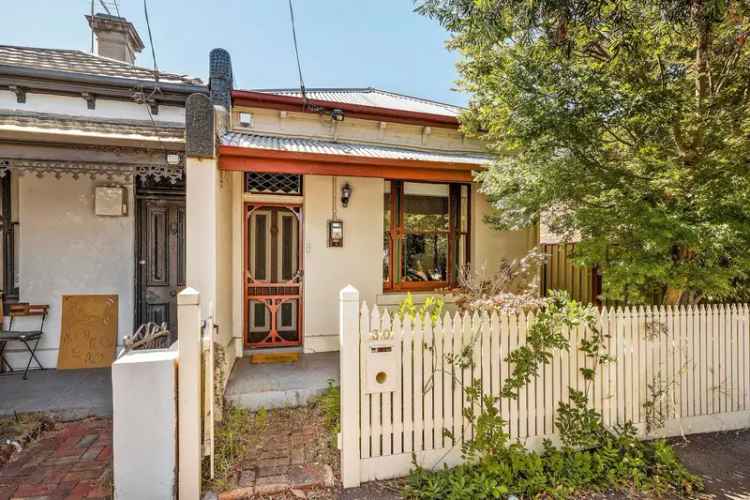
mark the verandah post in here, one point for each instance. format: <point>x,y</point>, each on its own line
<point>189,394</point>
<point>349,337</point>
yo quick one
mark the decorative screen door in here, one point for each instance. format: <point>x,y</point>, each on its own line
<point>273,275</point>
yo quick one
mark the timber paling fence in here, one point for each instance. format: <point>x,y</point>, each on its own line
<point>676,370</point>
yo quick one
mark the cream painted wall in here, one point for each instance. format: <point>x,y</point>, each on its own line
<point>105,108</point>
<point>490,246</point>
<point>65,249</point>
<point>209,247</point>
<point>357,263</point>
<point>224,265</point>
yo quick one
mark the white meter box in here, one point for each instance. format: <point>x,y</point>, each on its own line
<point>381,367</point>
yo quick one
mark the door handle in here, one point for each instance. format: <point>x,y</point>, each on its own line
<point>173,293</point>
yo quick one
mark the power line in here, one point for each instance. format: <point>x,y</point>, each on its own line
<point>151,42</point>
<point>296,52</point>
<point>104,6</point>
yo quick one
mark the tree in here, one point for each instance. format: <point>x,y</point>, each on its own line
<point>627,121</point>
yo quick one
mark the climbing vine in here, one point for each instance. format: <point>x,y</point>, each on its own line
<point>591,456</point>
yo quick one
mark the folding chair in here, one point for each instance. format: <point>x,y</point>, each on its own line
<point>26,337</point>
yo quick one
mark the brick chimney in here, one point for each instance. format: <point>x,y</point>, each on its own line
<point>116,37</point>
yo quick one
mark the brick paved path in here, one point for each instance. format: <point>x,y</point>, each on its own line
<point>74,460</point>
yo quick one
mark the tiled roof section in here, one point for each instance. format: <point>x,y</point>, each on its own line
<point>65,124</point>
<point>79,62</point>
<point>372,97</point>
<point>318,146</point>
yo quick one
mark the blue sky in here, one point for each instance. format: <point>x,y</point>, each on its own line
<point>343,43</point>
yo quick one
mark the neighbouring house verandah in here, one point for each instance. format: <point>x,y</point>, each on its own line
<point>88,144</point>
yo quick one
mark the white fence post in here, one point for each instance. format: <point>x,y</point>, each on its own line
<point>349,377</point>
<point>189,394</point>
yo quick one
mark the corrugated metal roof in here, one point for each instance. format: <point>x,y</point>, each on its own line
<point>319,146</point>
<point>372,97</point>
<point>76,61</point>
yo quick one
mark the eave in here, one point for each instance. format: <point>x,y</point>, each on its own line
<point>63,82</point>
<point>251,99</point>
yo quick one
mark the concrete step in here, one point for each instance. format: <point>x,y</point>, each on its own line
<point>281,385</point>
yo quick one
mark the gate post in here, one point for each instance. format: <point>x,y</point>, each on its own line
<point>189,394</point>
<point>349,338</point>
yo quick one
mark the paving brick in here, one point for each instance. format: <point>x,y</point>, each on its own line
<point>92,452</point>
<point>34,490</point>
<point>55,467</point>
<point>83,488</point>
<point>271,484</point>
<point>274,470</point>
<point>105,455</point>
<point>247,478</point>
<point>87,440</point>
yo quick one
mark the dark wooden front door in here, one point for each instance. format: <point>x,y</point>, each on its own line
<point>160,260</point>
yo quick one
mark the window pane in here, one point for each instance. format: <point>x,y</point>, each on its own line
<point>426,257</point>
<point>259,245</point>
<point>425,207</point>
<point>288,247</point>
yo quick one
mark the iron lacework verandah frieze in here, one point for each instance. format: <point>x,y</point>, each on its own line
<point>272,183</point>
<point>40,168</point>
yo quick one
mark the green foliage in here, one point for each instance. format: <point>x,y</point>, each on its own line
<point>548,333</point>
<point>234,438</point>
<point>623,121</point>
<point>591,457</point>
<point>432,307</point>
<point>330,403</point>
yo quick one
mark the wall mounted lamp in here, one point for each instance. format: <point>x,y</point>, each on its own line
<point>346,194</point>
<point>337,115</point>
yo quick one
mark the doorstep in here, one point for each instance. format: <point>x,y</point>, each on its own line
<point>281,385</point>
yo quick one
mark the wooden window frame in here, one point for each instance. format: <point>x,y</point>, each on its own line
<point>396,233</point>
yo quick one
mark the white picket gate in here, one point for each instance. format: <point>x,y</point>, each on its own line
<point>400,390</point>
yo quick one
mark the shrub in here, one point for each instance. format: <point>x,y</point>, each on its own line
<point>591,457</point>
<point>330,404</point>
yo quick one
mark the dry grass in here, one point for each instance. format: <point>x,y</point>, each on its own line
<point>20,430</point>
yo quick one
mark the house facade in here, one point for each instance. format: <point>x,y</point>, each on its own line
<point>76,128</point>
<point>266,201</point>
<point>292,196</point>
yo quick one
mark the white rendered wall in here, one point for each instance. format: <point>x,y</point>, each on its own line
<point>327,270</point>
<point>65,249</point>
<point>105,108</point>
<point>144,425</point>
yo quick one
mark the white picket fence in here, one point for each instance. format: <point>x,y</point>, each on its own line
<point>399,394</point>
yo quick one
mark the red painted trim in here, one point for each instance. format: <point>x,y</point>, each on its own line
<point>293,103</point>
<point>246,164</point>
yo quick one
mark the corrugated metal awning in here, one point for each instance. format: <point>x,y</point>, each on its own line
<point>357,150</point>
